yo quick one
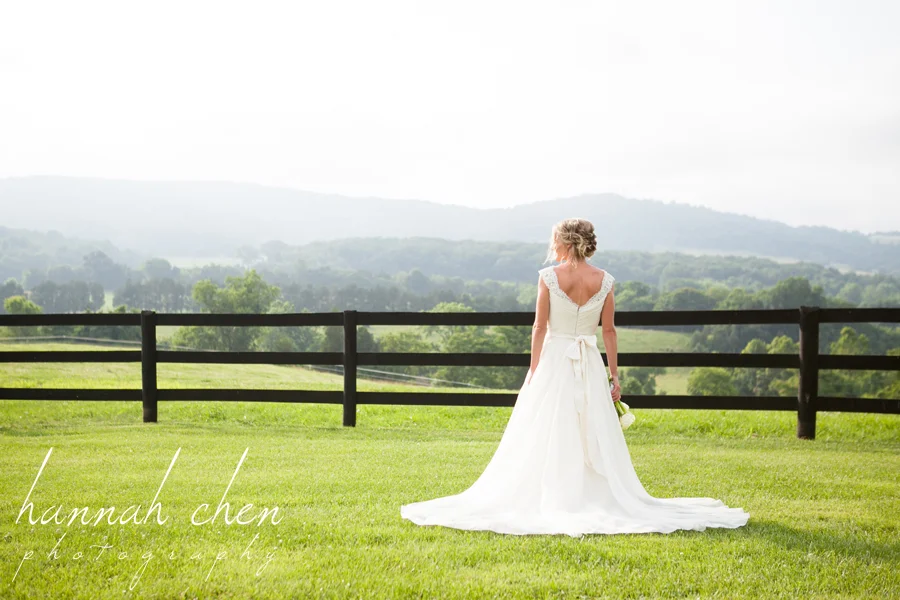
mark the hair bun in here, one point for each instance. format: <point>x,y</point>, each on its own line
<point>575,233</point>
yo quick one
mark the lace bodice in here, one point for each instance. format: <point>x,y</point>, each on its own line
<point>567,317</point>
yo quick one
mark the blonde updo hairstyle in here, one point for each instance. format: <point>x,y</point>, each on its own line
<point>577,233</point>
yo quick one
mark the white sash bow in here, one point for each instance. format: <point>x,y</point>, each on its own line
<point>576,353</point>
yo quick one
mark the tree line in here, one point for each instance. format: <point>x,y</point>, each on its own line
<point>369,269</point>
<point>251,293</point>
<point>720,381</point>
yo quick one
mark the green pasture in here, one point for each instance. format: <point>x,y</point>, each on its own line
<point>825,514</point>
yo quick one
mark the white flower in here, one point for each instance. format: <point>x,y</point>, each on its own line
<point>626,420</point>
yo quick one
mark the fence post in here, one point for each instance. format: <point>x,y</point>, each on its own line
<point>350,321</point>
<point>149,393</point>
<point>808,389</point>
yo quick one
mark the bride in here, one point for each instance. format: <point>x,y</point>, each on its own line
<point>562,465</point>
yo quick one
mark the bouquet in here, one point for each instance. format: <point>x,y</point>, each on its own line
<point>626,418</point>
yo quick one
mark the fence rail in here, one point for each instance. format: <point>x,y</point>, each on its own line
<point>809,361</point>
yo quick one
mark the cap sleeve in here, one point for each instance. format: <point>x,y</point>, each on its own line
<point>608,282</point>
<point>546,275</point>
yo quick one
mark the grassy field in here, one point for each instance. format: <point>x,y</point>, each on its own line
<point>108,303</point>
<point>825,514</point>
<point>262,376</point>
<point>128,375</point>
<point>635,340</point>
<point>673,382</point>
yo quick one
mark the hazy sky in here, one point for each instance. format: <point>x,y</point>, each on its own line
<point>787,110</point>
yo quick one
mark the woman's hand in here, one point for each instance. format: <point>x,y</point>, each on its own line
<point>617,389</point>
<point>529,374</point>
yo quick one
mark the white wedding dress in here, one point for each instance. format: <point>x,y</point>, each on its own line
<point>562,465</point>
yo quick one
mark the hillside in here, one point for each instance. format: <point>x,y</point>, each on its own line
<point>215,218</point>
<point>420,266</point>
<point>368,261</point>
<point>22,250</point>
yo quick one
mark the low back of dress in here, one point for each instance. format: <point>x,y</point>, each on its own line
<point>568,318</point>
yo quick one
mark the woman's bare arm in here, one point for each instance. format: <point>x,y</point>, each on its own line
<point>611,341</point>
<point>539,330</point>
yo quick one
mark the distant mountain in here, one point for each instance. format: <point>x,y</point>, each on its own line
<point>214,218</point>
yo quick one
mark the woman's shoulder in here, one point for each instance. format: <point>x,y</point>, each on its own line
<point>606,278</point>
<point>601,273</point>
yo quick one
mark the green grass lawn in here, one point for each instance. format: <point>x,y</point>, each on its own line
<point>825,514</point>
<point>673,382</point>
<point>165,332</point>
<point>652,340</point>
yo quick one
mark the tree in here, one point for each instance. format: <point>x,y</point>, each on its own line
<point>851,292</point>
<point>62,274</point>
<point>288,339</point>
<point>885,293</point>
<point>247,294</point>
<point>685,299</point>
<point>783,382</point>
<point>634,295</point>
<point>159,268</point>
<point>766,382</point>
<point>850,342</point>
<point>517,338</point>
<point>10,288</point>
<point>711,381</point>
<point>851,383</point>
<point>365,340</point>
<point>333,341</point>
<point>74,296</point>
<point>444,331</point>
<point>477,339</point>
<point>20,305</point>
<point>739,299</point>
<point>756,346</point>
<point>637,381</point>
<point>164,295</point>
<point>97,297</point>
<point>97,266</point>
<point>106,332</point>
<point>890,388</point>
<point>417,282</point>
<point>407,341</point>
<point>793,292</point>
<point>47,294</point>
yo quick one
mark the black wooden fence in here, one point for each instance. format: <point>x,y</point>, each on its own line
<point>809,361</point>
